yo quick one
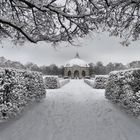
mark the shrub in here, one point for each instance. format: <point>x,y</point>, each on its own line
<point>53,82</point>
<point>66,77</point>
<point>89,82</point>
<point>17,89</point>
<point>123,88</point>
<point>87,77</point>
<point>100,81</point>
<point>63,82</point>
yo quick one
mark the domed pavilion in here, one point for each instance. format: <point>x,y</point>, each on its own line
<point>76,68</point>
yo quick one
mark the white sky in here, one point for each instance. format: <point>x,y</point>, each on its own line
<point>93,48</point>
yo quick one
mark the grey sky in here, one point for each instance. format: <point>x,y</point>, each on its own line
<point>93,48</point>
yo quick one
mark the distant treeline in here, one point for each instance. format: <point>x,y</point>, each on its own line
<point>95,69</point>
<point>49,70</point>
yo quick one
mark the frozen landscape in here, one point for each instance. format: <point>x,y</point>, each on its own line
<point>69,70</point>
<point>74,112</point>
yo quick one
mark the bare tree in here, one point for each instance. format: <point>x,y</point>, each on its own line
<point>63,20</point>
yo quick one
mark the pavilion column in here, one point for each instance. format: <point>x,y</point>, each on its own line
<point>80,74</point>
<point>72,74</point>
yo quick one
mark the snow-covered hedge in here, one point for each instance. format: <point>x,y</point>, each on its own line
<point>17,89</point>
<point>89,82</point>
<point>53,82</point>
<point>63,82</point>
<point>100,81</point>
<point>87,77</point>
<point>123,88</point>
<point>66,77</point>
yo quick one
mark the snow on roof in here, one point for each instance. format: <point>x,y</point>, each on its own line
<point>76,62</point>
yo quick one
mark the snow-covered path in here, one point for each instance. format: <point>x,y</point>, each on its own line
<point>74,112</point>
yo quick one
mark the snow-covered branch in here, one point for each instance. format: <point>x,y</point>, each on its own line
<point>54,20</point>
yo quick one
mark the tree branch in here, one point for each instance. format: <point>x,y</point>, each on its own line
<point>18,28</point>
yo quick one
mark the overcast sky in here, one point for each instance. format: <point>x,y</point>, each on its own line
<point>93,48</point>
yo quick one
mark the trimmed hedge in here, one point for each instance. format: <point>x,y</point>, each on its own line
<point>17,89</point>
<point>66,77</point>
<point>89,82</point>
<point>63,82</point>
<point>123,88</point>
<point>100,81</point>
<point>53,82</point>
<point>87,77</point>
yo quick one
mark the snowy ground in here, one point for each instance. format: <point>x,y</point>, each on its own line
<point>74,112</point>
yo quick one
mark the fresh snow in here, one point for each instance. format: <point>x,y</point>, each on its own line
<point>74,112</point>
<point>106,76</point>
<point>44,76</point>
<point>76,61</point>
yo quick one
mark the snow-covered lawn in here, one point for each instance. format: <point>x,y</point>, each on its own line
<point>74,112</point>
